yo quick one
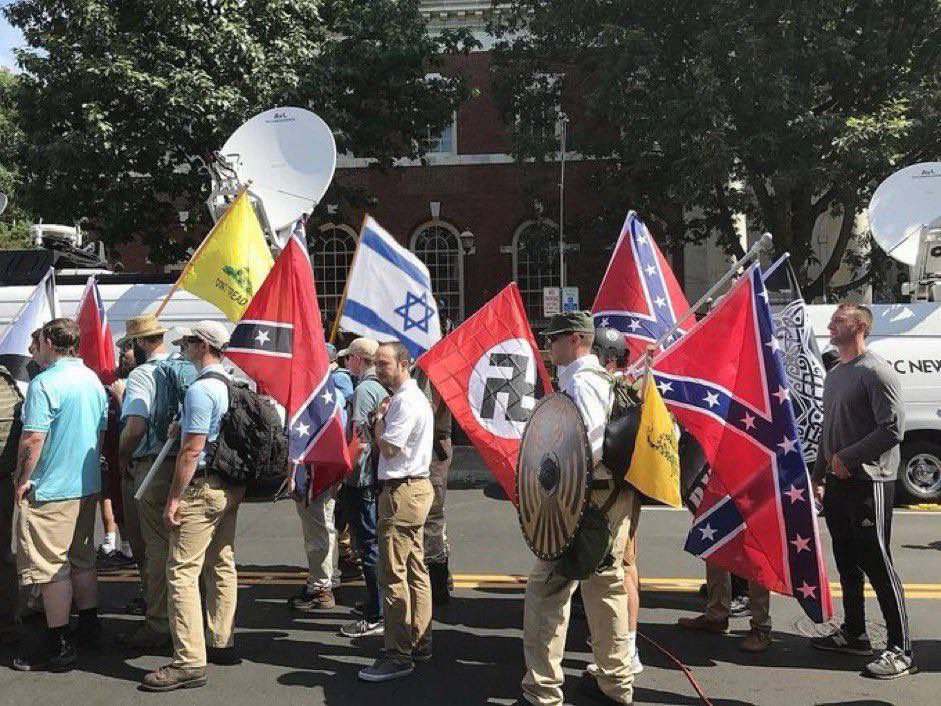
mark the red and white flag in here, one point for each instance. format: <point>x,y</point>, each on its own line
<point>490,374</point>
<point>96,347</point>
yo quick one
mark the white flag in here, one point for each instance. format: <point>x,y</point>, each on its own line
<point>41,307</point>
<point>389,295</point>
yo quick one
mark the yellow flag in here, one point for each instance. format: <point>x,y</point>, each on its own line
<point>655,465</point>
<point>232,262</point>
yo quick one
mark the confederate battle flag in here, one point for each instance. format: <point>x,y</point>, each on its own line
<point>725,383</point>
<point>490,374</point>
<point>279,343</point>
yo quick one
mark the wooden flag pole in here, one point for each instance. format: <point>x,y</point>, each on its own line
<point>189,265</point>
<point>346,287</point>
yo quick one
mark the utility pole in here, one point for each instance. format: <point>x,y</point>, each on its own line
<point>563,123</point>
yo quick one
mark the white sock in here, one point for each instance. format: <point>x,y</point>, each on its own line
<point>110,543</point>
<point>126,548</point>
<point>632,642</point>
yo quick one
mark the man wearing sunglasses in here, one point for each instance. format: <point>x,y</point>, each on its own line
<point>569,338</point>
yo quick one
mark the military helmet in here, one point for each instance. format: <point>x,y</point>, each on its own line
<point>608,342</point>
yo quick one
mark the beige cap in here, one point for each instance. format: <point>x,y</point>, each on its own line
<point>364,347</point>
<point>212,332</point>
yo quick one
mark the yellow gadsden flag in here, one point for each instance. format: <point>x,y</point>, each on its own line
<point>232,262</point>
<point>655,465</point>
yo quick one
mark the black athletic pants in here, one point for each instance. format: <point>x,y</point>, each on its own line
<point>859,517</point>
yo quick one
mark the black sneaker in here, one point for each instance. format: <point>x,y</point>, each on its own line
<point>136,607</point>
<point>839,642</point>
<point>739,607</point>
<point>422,654</point>
<point>387,668</point>
<point>90,635</point>
<point>56,655</point>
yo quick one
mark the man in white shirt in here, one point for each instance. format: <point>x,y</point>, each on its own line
<point>404,432</point>
<point>548,594</point>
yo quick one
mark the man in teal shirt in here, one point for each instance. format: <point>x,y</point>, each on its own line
<point>58,478</point>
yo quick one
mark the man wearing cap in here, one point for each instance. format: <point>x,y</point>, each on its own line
<point>360,486</point>
<point>147,404</point>
<point>547,604</point>
<point>200,515</point>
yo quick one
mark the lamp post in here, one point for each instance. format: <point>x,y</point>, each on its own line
<point>563,123</point>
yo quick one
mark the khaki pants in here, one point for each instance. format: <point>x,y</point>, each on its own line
<point>719,599</point>
<point>155,537</point>
<point>320,540</point>
<point>206,535</point>
<point>436,534</point>
<point>406,589</point>
<point>546,618</point>
<point>8,588</point>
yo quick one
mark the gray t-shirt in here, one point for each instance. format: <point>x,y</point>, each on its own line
<point>366,398</point>
<point>863,419</point>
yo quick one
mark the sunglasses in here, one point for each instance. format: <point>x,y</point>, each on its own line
<point>552,338</point>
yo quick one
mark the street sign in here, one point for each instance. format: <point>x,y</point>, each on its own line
<point>570,299</point>
<point>551,301</point>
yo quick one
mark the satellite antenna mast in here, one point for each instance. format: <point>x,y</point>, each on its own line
<point>905,219</point>
<point>286,158</point>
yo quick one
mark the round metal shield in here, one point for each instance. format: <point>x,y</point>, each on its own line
<point>553,476</point>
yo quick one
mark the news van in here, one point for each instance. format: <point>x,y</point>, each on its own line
<point>908,336</point>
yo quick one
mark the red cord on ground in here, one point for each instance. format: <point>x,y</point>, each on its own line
<point>678,663</point>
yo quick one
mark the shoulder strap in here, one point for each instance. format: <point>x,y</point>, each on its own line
<point>215,376</point>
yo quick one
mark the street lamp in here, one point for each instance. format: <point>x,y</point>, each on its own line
<point>563,123</point>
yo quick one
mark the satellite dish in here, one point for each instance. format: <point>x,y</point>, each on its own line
<point>906,202</point>
<point>288,155</point>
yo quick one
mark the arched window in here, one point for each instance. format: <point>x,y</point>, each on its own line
<point>331,254</point>
<point>438,245</point>
<point>536,264</point>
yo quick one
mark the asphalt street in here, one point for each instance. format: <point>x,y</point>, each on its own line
<point>290,657</point>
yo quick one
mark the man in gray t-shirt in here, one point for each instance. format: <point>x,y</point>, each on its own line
<point>863,423</point>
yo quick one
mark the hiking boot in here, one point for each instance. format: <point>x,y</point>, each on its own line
<point>138,606</point>
<point>438,575</point>
<point>89,635</point>
<point>319,600</point>
<point>387,667</point>
<point>839,642</point>
<point>738,608</point>
<point>362,628</point>
<point>350,569</point>
<point>172,677</point>
<point>56,655</point>
<point>144,637</point>
<point>755,641</point>
<point>422,654</point>
<point>891,664</point>
<point>303,597</point>
<point>705,623</point>
<point>223,656</point>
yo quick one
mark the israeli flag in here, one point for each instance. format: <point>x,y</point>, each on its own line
<point>389,295</point>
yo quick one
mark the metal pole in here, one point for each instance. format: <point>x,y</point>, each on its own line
<point>563,119</point>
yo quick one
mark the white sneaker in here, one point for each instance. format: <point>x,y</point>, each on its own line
<point>891,664</point>
<point>636,666</point>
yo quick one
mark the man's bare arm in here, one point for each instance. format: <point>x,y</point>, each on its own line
<point>186,462</point>
<point>134,429</point>
<point>31,443</point>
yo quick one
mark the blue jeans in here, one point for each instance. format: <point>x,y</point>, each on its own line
<point>362,519</point>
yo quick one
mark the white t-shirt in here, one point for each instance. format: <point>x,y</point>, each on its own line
<point>593,395</point>
<point>410,427</point>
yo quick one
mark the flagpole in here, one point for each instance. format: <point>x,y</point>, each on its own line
<point>346,285</point>
<point>189,265</point>
<point>763,243</point>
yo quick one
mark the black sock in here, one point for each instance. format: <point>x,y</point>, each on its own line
<point>87,618</point>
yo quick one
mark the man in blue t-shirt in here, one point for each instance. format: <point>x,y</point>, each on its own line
<point>200,515</point>
<point>57,481</point>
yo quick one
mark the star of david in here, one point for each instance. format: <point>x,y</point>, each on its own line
<point>405,311</point>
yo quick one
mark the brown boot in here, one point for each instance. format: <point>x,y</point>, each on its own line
<point>319,600</point>
<point>172,677</point>
<point>704,622</point>
<point>755,641</point>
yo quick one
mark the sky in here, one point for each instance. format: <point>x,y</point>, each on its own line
<point>10,37</point>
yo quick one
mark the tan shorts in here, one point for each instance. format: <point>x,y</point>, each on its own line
<point>630,549</point>
<point>55,537</point>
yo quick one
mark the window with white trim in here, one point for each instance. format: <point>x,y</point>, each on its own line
<point>331,255</point>
<point>535,264</point>
<point>438,245</point>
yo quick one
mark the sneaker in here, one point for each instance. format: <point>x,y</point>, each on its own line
<point>738,608</point>
<point>320,600</point>
<point>386,668</point>
<point>839,642</point>
<point>109,560</point>
<point>303,597</point>
<point>422,654</point>
<point>891,664</point>
<point>56,655</point>
<point>9,637</point>
<point>755,641</point>
<point>89,635</point>
<point>171,677</point>
<point>636,666</point>
<point>362,628</point>
<point>350,569</point>
<point>223,656</point>
<point>136,607</point>
<point>144,637</point>
<point>705,623</point>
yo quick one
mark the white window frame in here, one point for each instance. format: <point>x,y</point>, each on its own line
<point>325,229</point>
<point>520,229</point>
<point>452,229</point>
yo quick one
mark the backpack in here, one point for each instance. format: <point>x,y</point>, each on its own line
<point>172,377</point>
<point>252,447</point>
<point>11,402</point>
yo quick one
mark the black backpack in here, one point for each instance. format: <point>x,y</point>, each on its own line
<point>252,447</point>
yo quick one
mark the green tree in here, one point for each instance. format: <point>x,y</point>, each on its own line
<point>124,101</point>
<point>784,111</point>
<point>14,222</point>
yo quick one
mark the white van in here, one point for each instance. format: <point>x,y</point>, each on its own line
<point>909,337</point>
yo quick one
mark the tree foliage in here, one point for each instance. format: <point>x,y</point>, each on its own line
<point>14,222</point>
<point>696,111</point>
<point>124,101</point>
